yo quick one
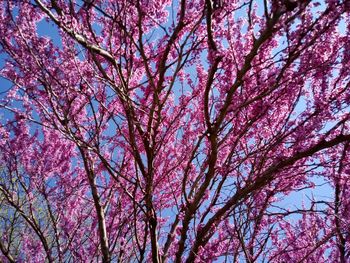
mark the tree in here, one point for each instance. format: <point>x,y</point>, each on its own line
<point>172,130</point>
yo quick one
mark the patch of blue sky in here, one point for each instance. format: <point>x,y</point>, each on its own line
<point>50,30</point>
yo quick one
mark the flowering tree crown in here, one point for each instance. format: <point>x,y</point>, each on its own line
<point>140,130</point>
